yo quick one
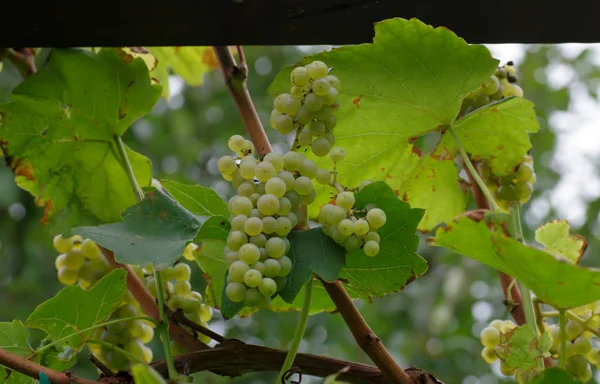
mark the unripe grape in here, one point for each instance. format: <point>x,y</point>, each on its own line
<point>337,154</point>
<point>317,69</point>
<point>279,102</point>
<point>297,92</point>
<point>89,249</point>
<point>236,239</point>
<point>321,87</point>
<point>364,184</point>
<point>323,176</point>
<point>188,253</point>
<point>361,227</point>
<point>292,218</point>
<point>67,276</point>
<point>317,128</point>
<point>292,105</point>
<point>271,268</point>
<point>259,240</point>
<point>253,226</point>
<point>61,244</point>
<point>275,247</point>
<point>240,205</point>
<point>267,287</point>
<point>346,227</point>
<point>308,198</point>
<point>269,224</point>
<point>275,186</point>
<point>299,76</point>
<point>268,204</point>
<point>256,213</point>
<point>181,272</point>
<point>235,291</point>
<point>284,226</point>
<point>247,170</point>
<point>304,115</point>
<point>582,346</point>
<point>573,329</point>
<point>285,124</point>
<point>376,218</point>
<point>331,97</point>
<point>253,298</point>
<point>320,146</point>
<point>490,337</point>
<point>237,270</point>
<point>294,198</point>
<point>74,259</point>
<point>286,265</point>
<point>259,266</point>
<point>303,185</point>
<point>489,355</point>
<point>512,90</point>
<point>334,81</point>
<point>288,179</point>
<point>236,143</point>
<point>345,200</point>
<point>183,287</point>
<point>59,262</point>
<point>577,365</point>
<point>238,222</point>
<point>308,168</point>
<point>275,159</point>
<point>249,253</point>
<point>373,236</point>
<point>227,165</point>
<point>252,278</point>
<point>304,138</point>
<point>264,171</point>
<point>205,313</point>
<point>285,206</point>
<point>313,102</point>
<point>594,356</point>
<point>371,248</point>
<point>292,161</point>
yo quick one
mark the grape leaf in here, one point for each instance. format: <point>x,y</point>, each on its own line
<point>156,230</point>
<point>521,348</point>
<point>498,132</point>
<point>555,236</point>
<point>434,180</point>
<point>59,131</point>
<point>555,375</point>
<point>311,252</point>
<point>386,100</point>
<point>197,199</point>
<point>73,309</point>
<point>397,263</point>
<point>556,282</point>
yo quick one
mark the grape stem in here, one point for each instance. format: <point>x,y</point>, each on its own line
<point>299,334</point>
<point>562,322</point>
<point>57,341</point>
<point>178,317</point>
<point>123,352</point>
<point>573,317</point>
<point>126,164</point>
<point>163,327</point>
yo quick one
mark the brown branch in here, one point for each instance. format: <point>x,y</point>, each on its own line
<point>149,306</point>
<point>235,78</point>
<point>363,334</point>
<point>179,318</point>
<point>100,365</point>
<point>235,358</point>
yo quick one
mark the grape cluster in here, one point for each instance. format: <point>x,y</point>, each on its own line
<point>352,228</point>
<point>490,338</point>
<point>502,84</point>
<point>80,261</point>
<point>263,212</point>
<point>308,108</point>
<point>516,186</point>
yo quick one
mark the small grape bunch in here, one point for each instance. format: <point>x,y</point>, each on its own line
<point>352,228</point>
<point>516,186</point>
<point>80,261</point>
<point>490,338</point>
<point>308,108</point>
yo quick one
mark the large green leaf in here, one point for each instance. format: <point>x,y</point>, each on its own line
<point>397,262</point>
<point>312,252</point>
<point>156,230</point>
<point>523,349</point>
<point>555,236</point>
<point>74,309</point>
<point>59,133</point>
<point>554,281</point>
<point>498,133</point>
<point>197,199</point>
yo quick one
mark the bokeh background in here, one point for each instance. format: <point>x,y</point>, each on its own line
<point>434,324</point>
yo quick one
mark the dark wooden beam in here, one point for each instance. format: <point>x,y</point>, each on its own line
<point>48,23</point>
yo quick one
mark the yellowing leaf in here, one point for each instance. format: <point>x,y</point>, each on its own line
<point>555,236</point>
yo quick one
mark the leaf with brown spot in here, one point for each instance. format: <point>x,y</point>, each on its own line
<point>555,236</point>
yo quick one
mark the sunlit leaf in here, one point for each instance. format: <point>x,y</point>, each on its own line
<point>555,236</point>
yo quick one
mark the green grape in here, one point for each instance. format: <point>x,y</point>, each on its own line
<point>308,168</point>
<point>181,272</point>
<point>240,205</point>
<point>263,253</point>
<point>498,324</point>
<point>523,191</point>
<point>238,222</point>
<point>586,375</point>
<point>237,270</point>
<point>323,176</point>
<point>594,356</point>
<point>346,227</point>
<point>292,161</point>
<point>285,124</point>
<point>336,215</point>
<point>330,123</point>
<point>317,70</point>
<point>364,184</point>
<point>253,298</point>
<point>371,248</point>
<point>582,346</point>
<point>236,143</point>
<point>309,198</point>
<point>264,171</point>
<point>275,159</point>
<point>284,226</point>
<point>275,247</point>
<point>269,224</point>
<point>267,287</point>
<point>376,218</point>
<point>304,138</point>
<point>281,282</point>
<point>573,329</point>
<point>292,105</point>
<point>236,179</point>
<point>288,179</point>
<point>247,170</point>
<point>299,76</point>
<point>246,189</point>
<point>235,291</point>
<point>74,259</point>
<point>317,128</point>
<point>168,274</point>
<point>268,204</point>
<point>285,206</point>
<point>275,186</point>
<point>183,287</point>
<point>345,200</point>
<point>490,337</point>
<point>259,266</point>
<point>89,249</point>
<point>361,227</point>
<point>67,276</point>
<point>304,116</point>
<point>256,213</point>
<point>273,119</point>
<point>577,365</point>
<point>329,137</point>
<point>249,253</point>
<point>253,226</point>
<point>312,102</point>
<point>334,81</point>
<point>61,244</point>
<point>236,239</point>
<point>297,92</point>
<point>512,90</point>
<point>286,265</point>
<point>135,347</point>
<point>254,198</point>
<point>59,262</point>
<point>331,97</point>
<point>373,236</point>
<point>252,278</point>
<point>294,198</point>
<point>147,334</point>
<point>491,86</point>
<point>320,146</point>
<point>279,102</point>
<point>227,165</point>
<point>489,355</point>
<point>259,240</point>
<point>292,218</point>
<point>337,154</point>
<point>321,87</point>
<point>205,313</point>
<point>303,185</point>
<point>189,304</point>
<point>117,360</point>
<point>271,268</point>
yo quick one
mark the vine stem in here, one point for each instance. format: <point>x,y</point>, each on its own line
<point>139,194</point>
<point>474,173</point>
<point>163,327</point>
<point>236,81</point>
<point>562,321</point>
<point>299,334</point>
<point>123,352</point>
<point>47,346</point>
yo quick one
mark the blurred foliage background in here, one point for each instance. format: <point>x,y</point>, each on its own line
<point>434,324</point>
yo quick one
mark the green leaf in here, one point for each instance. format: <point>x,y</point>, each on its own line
<point>320,301</point>
<point>521,348</point>
<point>156,230</point>
<point>556,282</point>
<point>434,180</point>
<point>555,236</point>
<point>498,133</point>
<point>145,374</point>
<point>555,375</point>
<point>74,309</point>
<point>197,199</point>
<point>311,252</point>
<point>59,130</point>
<point>397,262</point>
<point>388,99</point>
